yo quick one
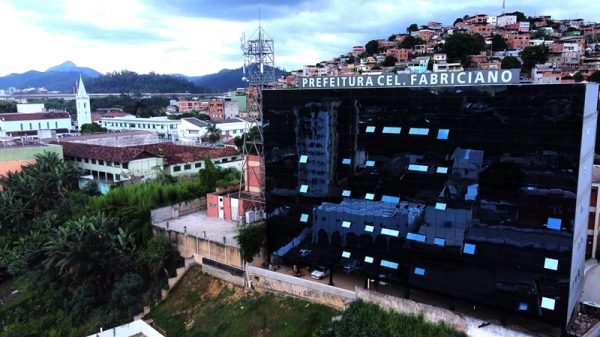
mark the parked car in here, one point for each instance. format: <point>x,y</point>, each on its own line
<point>353,266</point>
<point>319,273</point>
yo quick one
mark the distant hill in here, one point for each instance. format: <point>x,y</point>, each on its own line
<point>69,67</point>
<point>131,82</point>
<point>226,80</point>
<point>60,78</point>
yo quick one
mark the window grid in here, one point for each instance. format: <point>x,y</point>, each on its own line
<point>391,130</point>
<point>418,168</point>
<point>415,237</point>
<point>390,232</point>
<point>391,199</point>
<point>418,131</point>
<point>389,264</point>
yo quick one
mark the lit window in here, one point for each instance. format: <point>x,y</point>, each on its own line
<point>443,134</point>
<point>415,237</point>
<point>391,199</point>
<point>370,163</point>
<point>346,161</point>
<point>304,217</point>
<point>369,196</point>
<point>548,303</point>
<point>346,193</point>
<point>345,254</point>
<point>369,228</point>
<point>303,188</point>
<point>390,232</point>
<point>419,271</point>
<point>469,248</point>
<point>303,159</point>
<point>391,130</point>
<point>418,131</point>
<point>442,170</point>
<point>389,264</point>
<point>554,223</point>
<point>439,242</point>
<point>440,205</point>
<point>370,129</point>
<point>419,168</point>
<point>368,259</point>
<point>523,306</point>
<point>551,264</point>
<point>346,224</point>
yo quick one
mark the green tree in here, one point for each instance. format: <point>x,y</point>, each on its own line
<point>430,64</point>
<point>520,16</point>
<point>213,133</point>
<point>92,128</point>
<point>8,106</point>
<point>578,77</point>
<point>412,28</point>
<point>595,76</point>
<point>458,20</point>
<point>392,38</point>
<point>251,238</point>
<point>533,55</point>
<point>459,46</point>
<point>510,62</point>
<point>209,175</point>
<point>410,41</point>
<point>390,61</point>
<point>372,47</point>
<point>498,43</point>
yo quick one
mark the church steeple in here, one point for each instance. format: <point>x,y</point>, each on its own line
<point>82,101</point>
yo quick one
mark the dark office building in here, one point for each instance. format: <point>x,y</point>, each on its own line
<point>479,193</point>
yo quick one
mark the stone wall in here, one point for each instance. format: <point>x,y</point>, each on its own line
<point>177,210</point>
<point>429,312</point>
<point>313,291</point>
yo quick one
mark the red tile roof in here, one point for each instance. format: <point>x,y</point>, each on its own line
<point>175,154</point>
<point>107,153</point>
<point>32,116</point>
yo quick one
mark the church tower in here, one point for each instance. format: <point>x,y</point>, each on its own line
<point>82,100</point>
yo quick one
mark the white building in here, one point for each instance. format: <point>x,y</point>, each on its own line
<point>165,127</point>
<point>29,124</point>
<point>445,67</point>
<point>506,19</point>
<point>192,130</point>
<point>232,109</point>
<point>31,108</point>
<point>82,101</point>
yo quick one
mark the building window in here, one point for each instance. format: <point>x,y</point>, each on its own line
<point>117,176</point>
<point>346,224</point>
<point>198,165</point>
<point>370,129</point>
<point>56,125</point>
<point>369,228</point>
<point>346,254</point>
<point>420,271</point>
<point>418,168</point>
<point>303,159</point>
<point>21,126</point>
<point>389,264</point>
<point>441,206</point>
<point>94,161</point>
<point>548,303</point>
<point>469,248</point>
<point>391,130</point>
<point>100,162</point>
<point>443,133</point>
<point>368,259</point>
<point>418,131</point>
<point>390,199</point>
<point>523,306</point>
<point>390,232</point>
<point>346,161</point>
<point>187,166</point>
<point>346,193</point>
<point>442,170</point>
<point>304,217</point>
<point>439,242</point>
<point>551,264</point>
<point>369,196</point>
<point>176,168</point>
<point>30,126</point>
<point>370,163</point>
<point>303,188</point>
<point>554,223</point>
<point>415,237</point>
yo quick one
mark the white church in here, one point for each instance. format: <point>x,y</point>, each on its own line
<point>33,121</point>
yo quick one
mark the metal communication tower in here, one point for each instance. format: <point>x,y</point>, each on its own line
<point>259,72</point>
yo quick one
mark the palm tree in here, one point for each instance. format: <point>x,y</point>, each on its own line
<point>213,133</point>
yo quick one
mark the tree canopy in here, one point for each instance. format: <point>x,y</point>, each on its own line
<point>595,76</point>
<point>92,128</point>
<point>128,81</point>
<point>498,43</point>
<point>410,42</point>
<point>372,47</point>
<point>510,62</point>
<point>412,28</point>
<point>390,61</point>
<point>533,55</point>
<point>460,46</point>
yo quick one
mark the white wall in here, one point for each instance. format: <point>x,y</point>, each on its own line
<point>129,329</point>
<point>36,124</point>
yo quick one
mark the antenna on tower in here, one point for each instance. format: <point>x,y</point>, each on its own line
<point>503,6</point>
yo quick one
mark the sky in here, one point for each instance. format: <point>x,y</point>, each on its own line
<point>197,37</point>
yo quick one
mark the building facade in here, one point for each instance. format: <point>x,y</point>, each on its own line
<point>479,193</point>
<point>165,127</point>
<point>30,124</point>
<point>82,102</point>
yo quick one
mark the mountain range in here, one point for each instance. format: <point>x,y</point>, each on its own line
<point>64,76</point>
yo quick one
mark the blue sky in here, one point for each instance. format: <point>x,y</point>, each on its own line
<point>196,37</point>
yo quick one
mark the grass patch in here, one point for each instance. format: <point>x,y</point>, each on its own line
<point>203,306</point>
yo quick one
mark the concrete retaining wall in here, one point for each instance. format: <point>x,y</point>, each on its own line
<point>317,292</point>
<point>430,313</point>
<point>177,210</point>
<point>223,275</point>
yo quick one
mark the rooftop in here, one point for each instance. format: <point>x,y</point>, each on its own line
<point>200,225</point>
<point>19,116</point>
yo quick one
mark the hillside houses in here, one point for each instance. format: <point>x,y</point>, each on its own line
<point>573,48</point>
